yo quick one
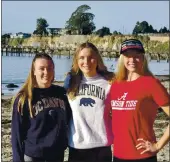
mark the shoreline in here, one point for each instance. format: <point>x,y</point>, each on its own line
<point>162,78</point>
<point>65,43</point>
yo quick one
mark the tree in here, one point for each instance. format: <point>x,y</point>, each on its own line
<point>52,32</point>
<point>164,30</point>
<point>81,20</point>
<point>150,29</point>
<point>5,38</point>
<point>103,31</point>
<point>41,27</point>
<point>7,35</point>
<point>117,33</point>
<point>143,27</point>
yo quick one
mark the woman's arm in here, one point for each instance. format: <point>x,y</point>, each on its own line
<point>67,81</point>
<point>162,99</point>
<point>166,136</point>
<point>17,134</point>
<point>68,108</point>
<point>155,147</point>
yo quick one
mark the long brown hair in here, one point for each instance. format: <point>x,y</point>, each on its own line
<point>25,93</point>
<point>76,73</point>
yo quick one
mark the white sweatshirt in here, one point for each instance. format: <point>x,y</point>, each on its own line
<point>90,125</point>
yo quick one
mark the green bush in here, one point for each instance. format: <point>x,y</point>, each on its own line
<point>15,41</point>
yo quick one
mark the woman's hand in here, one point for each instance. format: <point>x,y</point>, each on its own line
<point>147,146</point>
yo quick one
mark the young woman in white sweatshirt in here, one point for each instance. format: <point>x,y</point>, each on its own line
<point>88,85</point>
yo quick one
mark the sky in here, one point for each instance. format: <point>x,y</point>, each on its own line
<point>21,16</point>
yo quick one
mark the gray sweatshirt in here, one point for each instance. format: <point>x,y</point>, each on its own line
<point>90,125</point>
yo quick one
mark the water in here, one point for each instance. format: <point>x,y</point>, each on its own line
<point>15,69</point>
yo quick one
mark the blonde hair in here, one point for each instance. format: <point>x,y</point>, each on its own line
<point>76,73</point>
<point>121,73</point>
<point>25,93</point>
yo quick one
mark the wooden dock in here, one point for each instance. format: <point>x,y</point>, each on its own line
<point>31,51</point>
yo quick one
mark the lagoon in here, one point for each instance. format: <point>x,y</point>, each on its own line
<point>15,69</point>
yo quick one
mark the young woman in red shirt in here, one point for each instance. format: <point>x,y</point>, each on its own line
<point>136,96</point>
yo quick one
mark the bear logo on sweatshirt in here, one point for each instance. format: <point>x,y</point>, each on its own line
<point>87,102</point>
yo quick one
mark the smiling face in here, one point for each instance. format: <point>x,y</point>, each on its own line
<point>133,60</point>
<point>87,62</point>
<point>44,72</point>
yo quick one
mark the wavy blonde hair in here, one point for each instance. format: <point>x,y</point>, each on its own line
<point>121,73</point>
<point>25,93</point>
<point>76,73</point>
